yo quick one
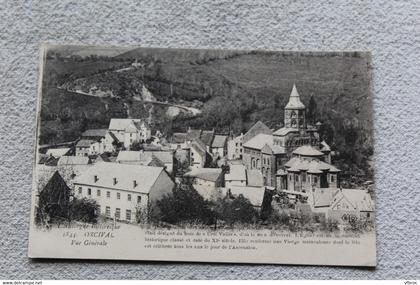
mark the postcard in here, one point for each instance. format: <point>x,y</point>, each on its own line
<point>238,156</point>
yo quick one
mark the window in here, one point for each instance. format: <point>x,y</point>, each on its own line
<point>128,197</point>
<point>89,191</point>
<point>128,215</point>
<point>108,211</point>
<point>80,190</point>
<point>138,199</point>
<point>118,195</point>
<point>332,178</point>
<point>98,193</point>
<point>117,213</point>
<point>108,194</point>
<point>315,179</point>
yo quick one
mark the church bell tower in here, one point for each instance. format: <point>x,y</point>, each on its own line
<point>294,112</point>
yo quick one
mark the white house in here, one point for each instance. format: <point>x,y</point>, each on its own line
<point>124,192</point>
<point>198,154</point>
<point>234,147</point>
<point>236,176</point>
<point>129,131</point>
<point>219,146</point>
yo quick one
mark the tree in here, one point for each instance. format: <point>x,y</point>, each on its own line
<point>312,110</point>
<point>236,210</point>
<point>183,205</point>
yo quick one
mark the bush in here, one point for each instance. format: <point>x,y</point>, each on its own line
<point>84,210</point>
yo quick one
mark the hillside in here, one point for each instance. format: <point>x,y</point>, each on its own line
<point>233,89</point>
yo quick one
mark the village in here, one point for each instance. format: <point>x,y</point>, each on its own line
<point>128,167</point>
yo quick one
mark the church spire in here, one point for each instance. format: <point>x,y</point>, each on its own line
<point>294,100</point>
<point>294,112</point>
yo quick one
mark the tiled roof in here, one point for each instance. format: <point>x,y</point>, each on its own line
<point>262,141</point>
<point>294,100</point>
<point>209,174</point>
<point>121,124</point>
<point>358,198</point>
<point>96,133</point>
<point>207,137</point>
<point>219,141</point>
<point>199,146</point>
<point>297,164</point>
<point>193,134</point>
<point>259,141</point>
<point>58,152</point>
<point>323,196</point>
<point>125,175</point>
<point>144,157</point>
<point>179,138</point>
<point>255,195</point>
<point>258,128</point>
<point>85,143</point>
<point>284,131</point>
<point>237,172</point>
<point>307,150</point>
<point>73,160</point>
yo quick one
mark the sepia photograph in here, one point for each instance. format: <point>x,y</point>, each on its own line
<point>204,155</point>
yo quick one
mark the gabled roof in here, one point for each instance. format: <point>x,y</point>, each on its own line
<point>199,146</point>
<point>315,166</point>
<point>219,141</point>
<point>209,174</point>
<point>237,172</point>
<point>358,198</point>
<point>102,157</point>
<point>73,160</point>
<point>156,162</point>
<point>258,128</point>
<point>114,138</point>
<point>255,195</point>
<point>323,196</point>
<point>129,155</point>
<point>284,131</point>
<point>85,143</point>
<point>193,134</point>
<point>259,141</point>
<point>164,156</point>
<point>144,157</point>
<point>125,174</point>
<point>95,133</point>
<point>294,100</point>
<point>207,137</point>
<point>121,124</point>
<point>179,138</point>
<point>57,152</point>
<point>264,143</point>
<point>307,150</point>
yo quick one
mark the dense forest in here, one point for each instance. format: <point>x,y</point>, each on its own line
<point>233,89</point>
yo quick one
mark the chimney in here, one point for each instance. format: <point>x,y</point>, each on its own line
<point>95,178</point>
<point>134,183</point>
<point>115,180</point>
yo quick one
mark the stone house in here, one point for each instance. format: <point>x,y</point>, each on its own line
<point>124,192</point>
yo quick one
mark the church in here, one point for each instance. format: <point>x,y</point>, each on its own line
<point>271,153</point>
